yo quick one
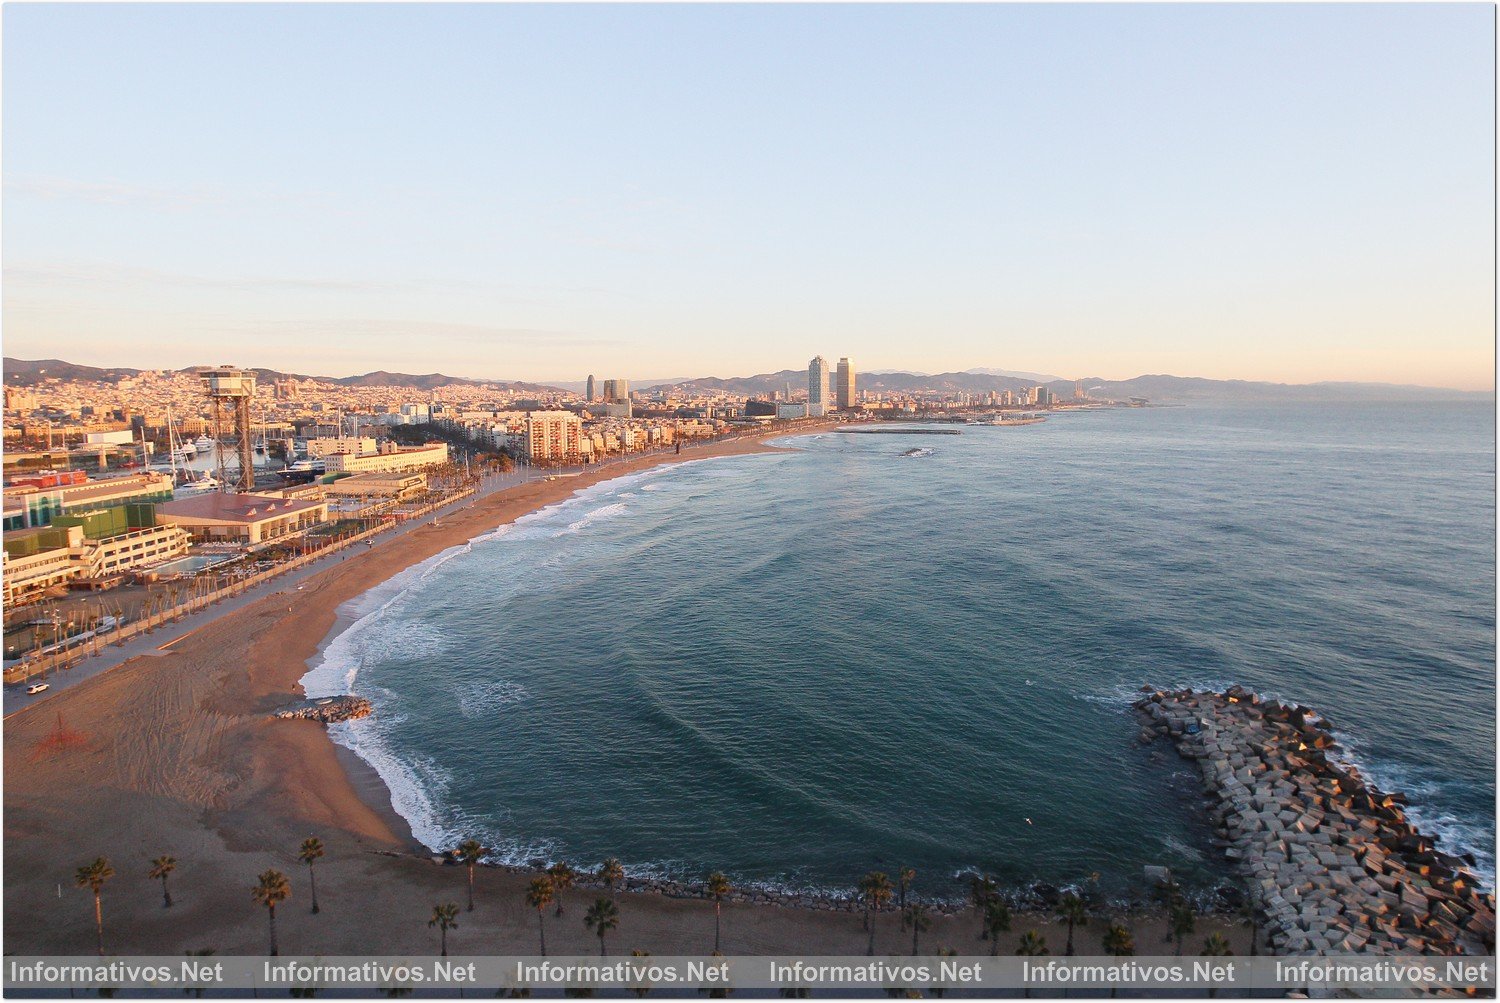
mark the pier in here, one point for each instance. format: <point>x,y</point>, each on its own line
<point>1329,860</point>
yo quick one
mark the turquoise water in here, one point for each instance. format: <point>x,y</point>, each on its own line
<point>795,667</point>
<point>185,565</point>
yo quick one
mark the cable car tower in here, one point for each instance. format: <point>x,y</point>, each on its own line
<point>232,389</point>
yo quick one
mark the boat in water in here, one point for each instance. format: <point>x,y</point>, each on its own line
<point>197,486</point>
<point>306,467</point>
<point>203,444</point>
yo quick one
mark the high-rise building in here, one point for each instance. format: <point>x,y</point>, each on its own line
<point>552,435</point>
<point>818,397</point>
<point>1042,396</point>
<point>846,383</point>
<point>589,395</point>
<point>617,398</point>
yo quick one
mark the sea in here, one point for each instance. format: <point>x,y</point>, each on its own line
<point>902,650</point>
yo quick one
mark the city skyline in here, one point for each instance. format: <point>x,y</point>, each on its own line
<point>581,383</point>
<point>1289,194</point>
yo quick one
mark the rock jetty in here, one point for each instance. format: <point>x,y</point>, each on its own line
<point>328,710</point>
<point>1330,861</point>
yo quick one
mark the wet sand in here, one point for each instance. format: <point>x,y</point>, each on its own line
<point>176,755</point>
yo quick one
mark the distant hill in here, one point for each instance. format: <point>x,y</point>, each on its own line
<point>1035,378</point>
<point>894,381</point>
<point>381,378</point>
<point>580,386</point>
<point>26,373</point>
<point>1156,388</point>
<point>23,372</point>
<point>1182,389</point>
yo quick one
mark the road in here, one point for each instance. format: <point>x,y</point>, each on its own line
<point>110,656</point>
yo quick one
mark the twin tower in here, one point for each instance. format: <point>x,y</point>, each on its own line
<point>820,395</point>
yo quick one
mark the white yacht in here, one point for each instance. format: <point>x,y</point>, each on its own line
<point>198,486</point>
<point>203,444</point>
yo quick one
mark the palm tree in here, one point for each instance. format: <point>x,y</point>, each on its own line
<point>562,879</point>
<point>1072,911</point>
<point>640,991</point>
<point>470,853</point>
<point>445,918</point>
<point>982,891</point>
<point>160,868</point>
<point>273,889</point>
<point>1031,945</point>
<point>718,887</point>
<point>539,896</point>
<point>996,922</point>
<point>875,889</point>
<point>1215,946</point>
<point>602,917</point>
<point>1118,942</point>
<point>904,878</point>
<point>920,920</point>
<point>92,876</point>
<point>1181,923</point>
<point>308,853</point>
<point>611,873</point>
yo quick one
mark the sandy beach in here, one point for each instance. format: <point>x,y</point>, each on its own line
<point>175,754</point>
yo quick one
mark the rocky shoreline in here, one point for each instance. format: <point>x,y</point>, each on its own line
<point>328,710</point>
<point>1329,860</point>
<point>1040,898</point>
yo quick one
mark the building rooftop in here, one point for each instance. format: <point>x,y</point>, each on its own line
<point>235,508</point>
<point>107,488</point>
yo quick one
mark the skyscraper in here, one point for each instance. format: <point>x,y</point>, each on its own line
<point>589,396</point>
<point>617,398</point>
<point>846,383</point>
<point>817,388</point>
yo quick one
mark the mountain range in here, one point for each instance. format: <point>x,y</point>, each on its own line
<point>1156,388</point>
<point>29,372</point>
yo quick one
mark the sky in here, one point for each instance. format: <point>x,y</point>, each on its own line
<point>1270,192</point>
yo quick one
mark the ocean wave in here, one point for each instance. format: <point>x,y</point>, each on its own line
<point>601,514</point>
<point>415,786</point>
<point>1453,834</point>
<point>480,701</point>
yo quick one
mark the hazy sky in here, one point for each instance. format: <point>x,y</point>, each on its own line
<point>1277,192</point>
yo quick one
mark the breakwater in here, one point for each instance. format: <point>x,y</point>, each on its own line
<point>1330,861</point>
<point>898,431</point>
<point>329,710</point>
